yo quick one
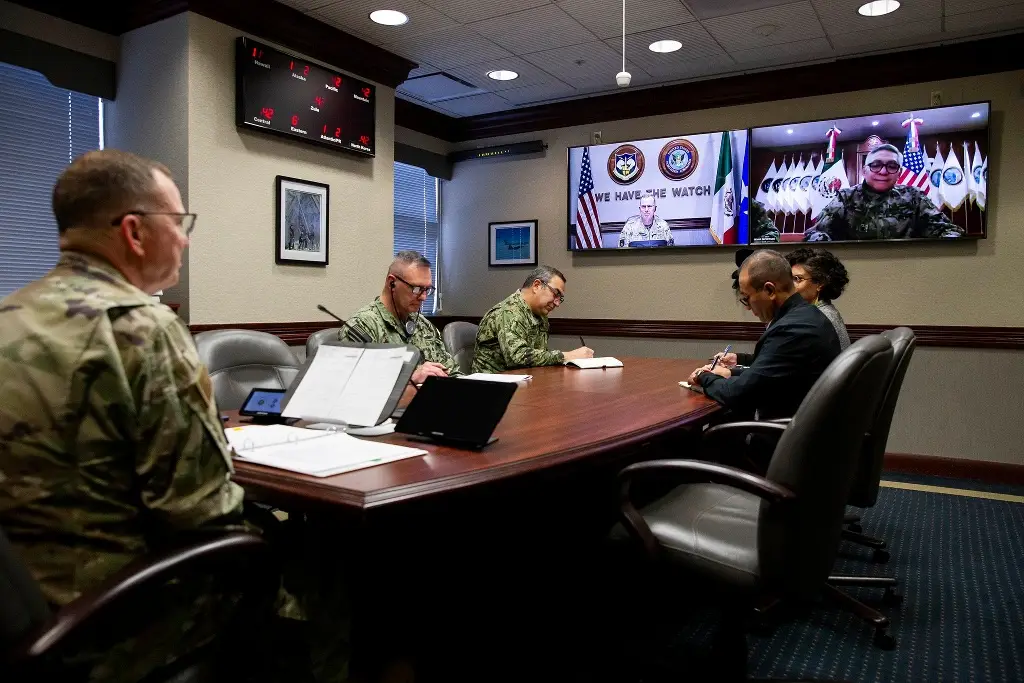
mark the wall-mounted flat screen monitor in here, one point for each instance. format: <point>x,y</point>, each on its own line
<point>908,175</point>
<point>678,191</point>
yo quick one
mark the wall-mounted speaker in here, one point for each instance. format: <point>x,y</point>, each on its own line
<point>511,150</point>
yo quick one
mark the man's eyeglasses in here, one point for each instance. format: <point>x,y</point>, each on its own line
<point>890,166</point>
<point>745,298</point>
<point>559,296</point>
<point>186,221</point>
<point>417,290</point>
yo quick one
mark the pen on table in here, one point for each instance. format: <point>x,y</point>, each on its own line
<point>715,361</point>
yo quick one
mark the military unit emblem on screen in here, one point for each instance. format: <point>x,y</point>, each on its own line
<point>678,159</point>
<point>626,164</point>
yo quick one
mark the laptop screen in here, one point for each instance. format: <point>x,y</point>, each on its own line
<point>456,409</point>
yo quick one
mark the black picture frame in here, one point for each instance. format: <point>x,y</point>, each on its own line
<point>501,254</point>
<point>296,242</point>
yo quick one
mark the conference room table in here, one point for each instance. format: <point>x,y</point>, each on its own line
<point>561,417</point>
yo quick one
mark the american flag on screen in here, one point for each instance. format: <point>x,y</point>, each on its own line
<point>588,225</point>
<point>913,172</point>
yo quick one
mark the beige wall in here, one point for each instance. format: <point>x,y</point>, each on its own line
<point>57,31</point>
<point>231,178</point>
<point>966,283</point>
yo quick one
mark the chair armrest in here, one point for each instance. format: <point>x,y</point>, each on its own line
<point>780,420</point>
<point>772,428</point>
<point>690,471</point>
<point>127,589</point>
<point>726,442</point>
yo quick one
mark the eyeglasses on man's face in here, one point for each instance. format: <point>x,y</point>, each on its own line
<point>559,295</point>
<point>186,222</point>
<point>889,166</point>
<point>417,290</point>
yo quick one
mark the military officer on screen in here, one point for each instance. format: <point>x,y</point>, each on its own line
<point>879,209</point>
<point>762,227</point>
<point>645,226</point>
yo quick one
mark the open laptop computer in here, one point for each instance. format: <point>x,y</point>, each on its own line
<point>457,412</point>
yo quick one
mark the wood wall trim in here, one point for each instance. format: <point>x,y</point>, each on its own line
<point>295,333</point>
<point>959,468</point>
<point>957,60</point>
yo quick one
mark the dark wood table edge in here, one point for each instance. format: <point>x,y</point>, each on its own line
<point>265,479</point>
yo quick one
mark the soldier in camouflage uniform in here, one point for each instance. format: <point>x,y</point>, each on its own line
<point>878,209</point>
<point>514,333</point>
<point>645,226</point>
<point>762,228</point>
<point>110,442</point>
<point>394,317</point>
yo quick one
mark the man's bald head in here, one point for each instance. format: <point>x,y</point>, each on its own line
<point>766,265</point>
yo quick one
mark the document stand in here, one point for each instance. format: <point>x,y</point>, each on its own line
<point>396,391</point>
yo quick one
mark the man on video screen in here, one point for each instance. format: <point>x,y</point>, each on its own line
<point>645,227</point>
<point>879,209</point>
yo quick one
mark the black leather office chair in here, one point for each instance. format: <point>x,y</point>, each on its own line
<point>319,337</point>
<point>460,340</point>
<point>35,642</point>
<point>242,360</point>
<point>751,536</point>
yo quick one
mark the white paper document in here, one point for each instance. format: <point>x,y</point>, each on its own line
<point>312,452</point>
<point>347,385</point>
<point>493,377</point>
<point>590,363</point>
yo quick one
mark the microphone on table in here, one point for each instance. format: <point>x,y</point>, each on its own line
<point>363,337</point>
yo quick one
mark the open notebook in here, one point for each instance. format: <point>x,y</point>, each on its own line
<point>590,363</point>
<point>313,452</point>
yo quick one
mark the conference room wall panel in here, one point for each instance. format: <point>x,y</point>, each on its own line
<point>233,276</point>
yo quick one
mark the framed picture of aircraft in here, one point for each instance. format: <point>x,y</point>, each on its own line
<point>512,243</point>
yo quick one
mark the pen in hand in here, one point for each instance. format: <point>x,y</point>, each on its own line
<point>582,343</point>
<point>716,359</point>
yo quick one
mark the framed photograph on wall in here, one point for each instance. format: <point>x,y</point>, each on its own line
<point>512,243</point>
<point>302,222</point>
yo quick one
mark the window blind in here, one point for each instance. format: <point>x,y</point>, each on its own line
<point>42,129</point>
<point>417,224</point>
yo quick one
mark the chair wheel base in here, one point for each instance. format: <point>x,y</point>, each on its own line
<point>880,556</point>
<point>884,641</point>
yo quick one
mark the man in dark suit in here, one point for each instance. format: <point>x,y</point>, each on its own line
<point>798,345</point>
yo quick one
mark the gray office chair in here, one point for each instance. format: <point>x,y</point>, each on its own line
<point>460,340</point>
<point>319,337</point>
<point>35,642</point>
<point>751,536</point>
<point>242,360</point>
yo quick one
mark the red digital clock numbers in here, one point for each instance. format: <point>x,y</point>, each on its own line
<point>295,120</point>
<point>366,92</point>
<point>257,53</point>
<point>319,101</point>
<point>337,131</point>
<point>267,112</point>
<point>337,81</point>
<point>365,139</point>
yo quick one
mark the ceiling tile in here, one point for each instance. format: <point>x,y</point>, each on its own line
<point>788,23</point>
<point>1000,19</point>
<point>437,88</point>
<point>474,104</point>
<point>423,69</point>
<point>468,11</point>
<point>354,15</point>
<point>888,37</point>
<point>536,94</point>
<point>448,49</point>
<point>529,74</point>
<point>415,100</point>
<point>966,6</point>
<point>604,19</point>
<point>787,53</point>
<point>534,30</point>
<point>705,9</point>
<point>697,44</point>
<point>593,62</point>
<point>683,69</point>
<point>840,16</point>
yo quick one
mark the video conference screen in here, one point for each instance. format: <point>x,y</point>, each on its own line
<point>679,191</point>
<point>908,175</point>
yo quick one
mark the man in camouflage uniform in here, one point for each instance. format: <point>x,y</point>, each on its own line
<point>645,226</point>
<point>762,228</point>
<point>110,443</point>
<point>394,316</point>
<point>514,333</point>
<point>878,209</point>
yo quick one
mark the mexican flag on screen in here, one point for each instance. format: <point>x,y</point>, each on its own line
<point>723,205</point>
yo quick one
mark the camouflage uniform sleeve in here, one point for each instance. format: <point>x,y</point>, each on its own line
<point>765,229</point>
<point>665,232</point>
<point>431,345</point>
<point>829,221</point>
<point>931,222</point>
<point>624,234</point>
<point>512,338</point>
<point>184,466</point>
<point>366,322</point>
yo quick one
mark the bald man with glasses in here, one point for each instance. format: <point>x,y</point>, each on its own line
<point>879,209</point>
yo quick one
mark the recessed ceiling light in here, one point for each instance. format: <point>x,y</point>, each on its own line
<point>502,75</point>
<point>976,115</point>
<point>789,131</point>
<point>877,8</point>
<point>389,17</point>
<point>874,123</point>
<point>665,46</point>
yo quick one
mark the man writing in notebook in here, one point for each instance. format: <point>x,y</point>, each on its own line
<point>394,316</point>
<point>798,345</point>
<point>514,333</point>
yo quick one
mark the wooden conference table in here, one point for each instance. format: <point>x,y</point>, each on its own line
<point>560,417</point>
